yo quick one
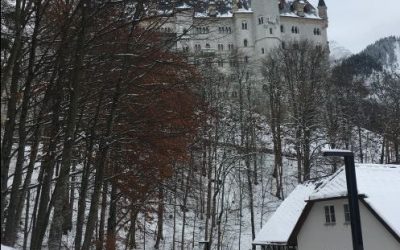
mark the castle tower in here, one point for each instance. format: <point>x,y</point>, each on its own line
<point>266,20</point>
<point>322,10</point>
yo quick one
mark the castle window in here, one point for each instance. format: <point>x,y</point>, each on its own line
<point>220,63</point>
<point>297,30</point>
<point>245,42</point>
<point>230,46</point>
<point>271,31</point>
<point>261,20</point>
<point>317,31</point>
<point>220,29</point>
<point>220,47</point>
<point>262,51</point>
<point>282,29</point>
<point>244,25</point>
<point>246,59</point>
<point>186,49</point>
<point>229,30</point>
<point>207,46</point>
<point>283,45</point>
<point>197,47</point>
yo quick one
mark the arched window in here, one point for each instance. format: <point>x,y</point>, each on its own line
<point>245,42</point>
<point>244,25</point>
<point>207,45</point>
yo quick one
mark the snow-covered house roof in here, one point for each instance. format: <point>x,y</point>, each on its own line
<point>378,185</point>
<point>281,224</point>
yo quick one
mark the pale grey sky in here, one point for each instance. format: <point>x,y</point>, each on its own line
<point>354,24</point>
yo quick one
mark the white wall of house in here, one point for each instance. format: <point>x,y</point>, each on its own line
<point>315,234</point>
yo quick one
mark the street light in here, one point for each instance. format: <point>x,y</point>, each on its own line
<point>204,244</point>
<point>352,194</point>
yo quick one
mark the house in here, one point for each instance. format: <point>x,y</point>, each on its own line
<point>315,216</point>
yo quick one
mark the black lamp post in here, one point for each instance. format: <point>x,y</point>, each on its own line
<point>352,195</point>
<point>204,244</point>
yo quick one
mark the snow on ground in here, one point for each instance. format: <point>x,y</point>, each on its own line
<point>6,248</point>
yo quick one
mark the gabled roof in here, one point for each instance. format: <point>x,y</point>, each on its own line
<point>379,185</point>
<point>281,224</point>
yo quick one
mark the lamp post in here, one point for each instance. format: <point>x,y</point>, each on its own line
<point>204,245</point>
<point>352,195</point>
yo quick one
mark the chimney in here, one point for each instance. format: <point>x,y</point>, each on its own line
<point>299,7</point>
<point>212,8</point>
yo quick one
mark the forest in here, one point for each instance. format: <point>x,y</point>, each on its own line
<point>110,139</point>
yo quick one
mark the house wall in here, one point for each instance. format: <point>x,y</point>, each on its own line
<point>316,235</point>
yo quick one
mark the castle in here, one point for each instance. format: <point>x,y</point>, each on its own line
<point>250,28</point>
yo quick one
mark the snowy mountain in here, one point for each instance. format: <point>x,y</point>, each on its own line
<point>337,51</point>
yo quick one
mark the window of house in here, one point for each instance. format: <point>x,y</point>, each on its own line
<point>282,29</point>
<point>220,47</point>
<point>245,42</point>
<point>262,51</point>
<point>220,63</point>
<point>229,30</point>
<point>230,46</point>
<point>346,213</point>
<point>330,214</point>
<point>283,45</point>
<point>246,59</point>
<point>220,29</point>
<point>197,47</point>
<point>260,20</point>
<point>271,31</point>
<point>244,25</point>
<point>207,46</point>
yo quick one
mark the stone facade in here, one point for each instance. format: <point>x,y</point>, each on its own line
<point>251,31</point>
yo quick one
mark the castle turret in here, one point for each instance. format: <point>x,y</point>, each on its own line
<point>322,10</point>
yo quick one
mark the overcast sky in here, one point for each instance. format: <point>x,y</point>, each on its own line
<point>354,24</point>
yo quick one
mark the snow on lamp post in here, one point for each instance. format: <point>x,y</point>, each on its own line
<point>352,194</point>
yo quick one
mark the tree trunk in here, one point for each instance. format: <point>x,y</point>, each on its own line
<point>160,217</point>
<point>100,165</point>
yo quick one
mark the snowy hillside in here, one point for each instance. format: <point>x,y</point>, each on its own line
<point>386,51</point>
